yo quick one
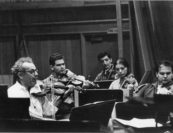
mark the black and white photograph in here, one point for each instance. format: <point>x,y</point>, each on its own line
<point>86,66</point>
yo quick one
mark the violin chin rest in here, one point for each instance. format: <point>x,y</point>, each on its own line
<point>77,83</point>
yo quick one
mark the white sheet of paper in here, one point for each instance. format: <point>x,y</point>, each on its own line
<point>139,123</point>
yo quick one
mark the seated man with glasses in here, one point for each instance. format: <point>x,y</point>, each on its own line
<point>28,86</point>
<point>26,75</point>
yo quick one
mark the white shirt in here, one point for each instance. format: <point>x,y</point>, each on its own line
<point>35,109</point>
<point>115,85</point>
<point>20,91</point>
<point>163,90</point>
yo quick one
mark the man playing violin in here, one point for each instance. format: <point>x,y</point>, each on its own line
<point>62,97</point>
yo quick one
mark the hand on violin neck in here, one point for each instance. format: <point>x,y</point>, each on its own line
<point>71,88</point>
<point>87,84</point>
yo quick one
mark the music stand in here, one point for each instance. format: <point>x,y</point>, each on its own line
<point>94,95</point>
<point>3,92</point>
<point>103,84</point>
<point>18,108</point>
<point>15,108</point>
<point>93,112</point>
<point>164,105</point>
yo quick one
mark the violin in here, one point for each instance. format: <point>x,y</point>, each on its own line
<point>56,85</point>
<point>60,86</point>
<point>57,88</point>
<point>78,81</point>
<point>65,80</point>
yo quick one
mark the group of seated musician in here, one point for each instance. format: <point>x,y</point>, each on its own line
<point>118,73</point>
<point>142,104</point>
<point>54,96</point>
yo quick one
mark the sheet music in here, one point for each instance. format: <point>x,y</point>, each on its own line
<point>139,123</point>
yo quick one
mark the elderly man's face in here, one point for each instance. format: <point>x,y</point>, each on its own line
<point>165,74</point>
<point>30,74</point>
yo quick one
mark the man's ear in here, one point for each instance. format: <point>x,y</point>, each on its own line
<point>20,75</point>
<point>172,75</point>
<point>157,75</point>
<point>51,67</point>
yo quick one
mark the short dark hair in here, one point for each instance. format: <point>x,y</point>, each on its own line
<point>54,57</point>
<point>165,63</point>
<point>103,54</point>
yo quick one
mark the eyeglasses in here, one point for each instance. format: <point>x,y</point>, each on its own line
<point>32,71</point>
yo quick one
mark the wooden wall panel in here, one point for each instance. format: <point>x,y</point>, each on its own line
<point>40,51</point>
<point>7,55</point>
<point>6,80</point>
<point>95,45</point>
<point>49,30</point>
<point>163,28</point>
